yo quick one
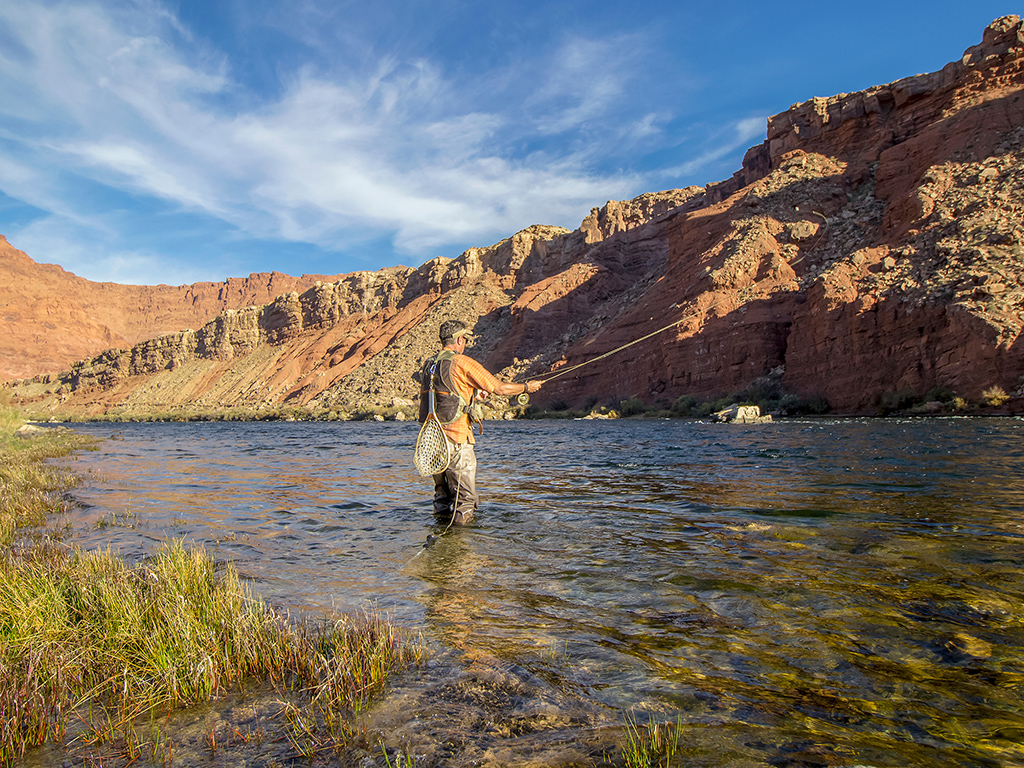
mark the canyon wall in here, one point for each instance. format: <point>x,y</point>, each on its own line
<point>871,244</point>
<point>49,318</point>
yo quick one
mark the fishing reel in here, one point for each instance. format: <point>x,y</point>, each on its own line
<point>521,399</point>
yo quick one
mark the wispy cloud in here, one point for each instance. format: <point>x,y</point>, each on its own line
<point>130,100</point>
<point>584,80</point>
<point>733,137</point>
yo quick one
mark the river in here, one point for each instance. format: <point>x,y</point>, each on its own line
<point>809,592</point>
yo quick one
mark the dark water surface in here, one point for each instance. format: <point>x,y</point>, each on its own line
<point>828,592</point>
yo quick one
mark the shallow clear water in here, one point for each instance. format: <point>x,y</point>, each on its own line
<point>826,592</point>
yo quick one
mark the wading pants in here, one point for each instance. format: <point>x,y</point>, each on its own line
<point>457,485</point>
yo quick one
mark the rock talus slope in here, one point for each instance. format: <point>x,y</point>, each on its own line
<point>871,244</point>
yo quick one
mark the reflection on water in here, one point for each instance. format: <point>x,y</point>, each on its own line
<point>800,593</point>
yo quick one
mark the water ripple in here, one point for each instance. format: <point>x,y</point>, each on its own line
<point>851,584</point>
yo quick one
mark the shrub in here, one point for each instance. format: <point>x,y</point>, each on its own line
<point>994,396</point>
<point>941,394</point>
<point>763,389</point>
<point>684,405</point>
<point>893,402</point>
<point>632,406</point>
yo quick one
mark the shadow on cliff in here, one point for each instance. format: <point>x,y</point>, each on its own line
<point>567,302</point>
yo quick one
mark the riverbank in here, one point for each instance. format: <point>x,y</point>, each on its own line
<point>98,655</point>
<point>766,393</point>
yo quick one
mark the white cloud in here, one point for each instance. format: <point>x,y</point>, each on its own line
<point>583,81</point>
<point>131,101</point>
<point>739,135</point>
<point>85,252</point>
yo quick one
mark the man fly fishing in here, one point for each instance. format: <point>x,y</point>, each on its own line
<point>451,384</point>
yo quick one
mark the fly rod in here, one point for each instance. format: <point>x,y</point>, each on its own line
<point>523,398</point>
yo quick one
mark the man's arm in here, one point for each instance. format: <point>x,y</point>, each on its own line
<point>510,388</point>
<point>482,379</point>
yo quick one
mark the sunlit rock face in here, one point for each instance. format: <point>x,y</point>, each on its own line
<point>871,244</point>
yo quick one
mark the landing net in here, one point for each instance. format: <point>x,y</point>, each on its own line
<point>433,452</point>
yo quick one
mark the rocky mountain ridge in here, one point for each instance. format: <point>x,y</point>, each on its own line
<point>870,245</point>
<point>49,318</point>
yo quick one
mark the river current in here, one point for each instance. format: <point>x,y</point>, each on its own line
<point>808,592</point>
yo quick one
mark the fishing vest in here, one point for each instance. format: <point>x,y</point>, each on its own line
<point>436,385</point>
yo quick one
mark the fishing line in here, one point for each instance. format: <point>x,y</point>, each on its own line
<point>612,352</point>
<point>522,400</point>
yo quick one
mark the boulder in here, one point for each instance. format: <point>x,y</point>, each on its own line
<point>742,414</point>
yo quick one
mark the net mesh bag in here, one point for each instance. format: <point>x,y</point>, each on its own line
<point>433,453</point>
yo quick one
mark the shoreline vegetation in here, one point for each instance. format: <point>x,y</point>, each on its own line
<point>95,653</point>
<point>765,393</point>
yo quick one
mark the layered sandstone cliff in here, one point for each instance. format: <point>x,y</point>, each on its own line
<point>49,318</point>
<point>872,243</point>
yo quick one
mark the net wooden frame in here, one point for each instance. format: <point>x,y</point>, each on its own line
<point>433,451</point>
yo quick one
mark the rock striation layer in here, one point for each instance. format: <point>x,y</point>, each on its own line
<point>871,244</point>
<point>49,318</point>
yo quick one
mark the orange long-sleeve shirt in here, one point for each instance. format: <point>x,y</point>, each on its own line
<point>467,376</point>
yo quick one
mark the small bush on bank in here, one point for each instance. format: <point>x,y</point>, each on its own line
<point>632,406</point>
<point>684,405</point>
<point>901,400</point>
<point>763,391</point>
<point>940,394</point>
<point>994,397</point>
<point>714,405</point>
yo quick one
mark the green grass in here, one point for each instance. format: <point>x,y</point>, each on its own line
<point>83,635</point>
<point>651,745</point>
<point>90,645</point>
<point>31,488</point>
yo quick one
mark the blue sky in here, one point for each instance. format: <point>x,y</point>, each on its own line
<point>169,142</point>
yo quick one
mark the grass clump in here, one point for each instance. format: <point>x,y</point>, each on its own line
<point>632,406</point>
<point>30,487</point>
<point>651,745</point>
<point>87,639</point>
<point>89,644</point>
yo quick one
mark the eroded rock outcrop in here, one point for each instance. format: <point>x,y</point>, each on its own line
<point>855,248</point>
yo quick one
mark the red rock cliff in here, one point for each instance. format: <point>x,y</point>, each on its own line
<point>49,317</point>
<point>871,244</point>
